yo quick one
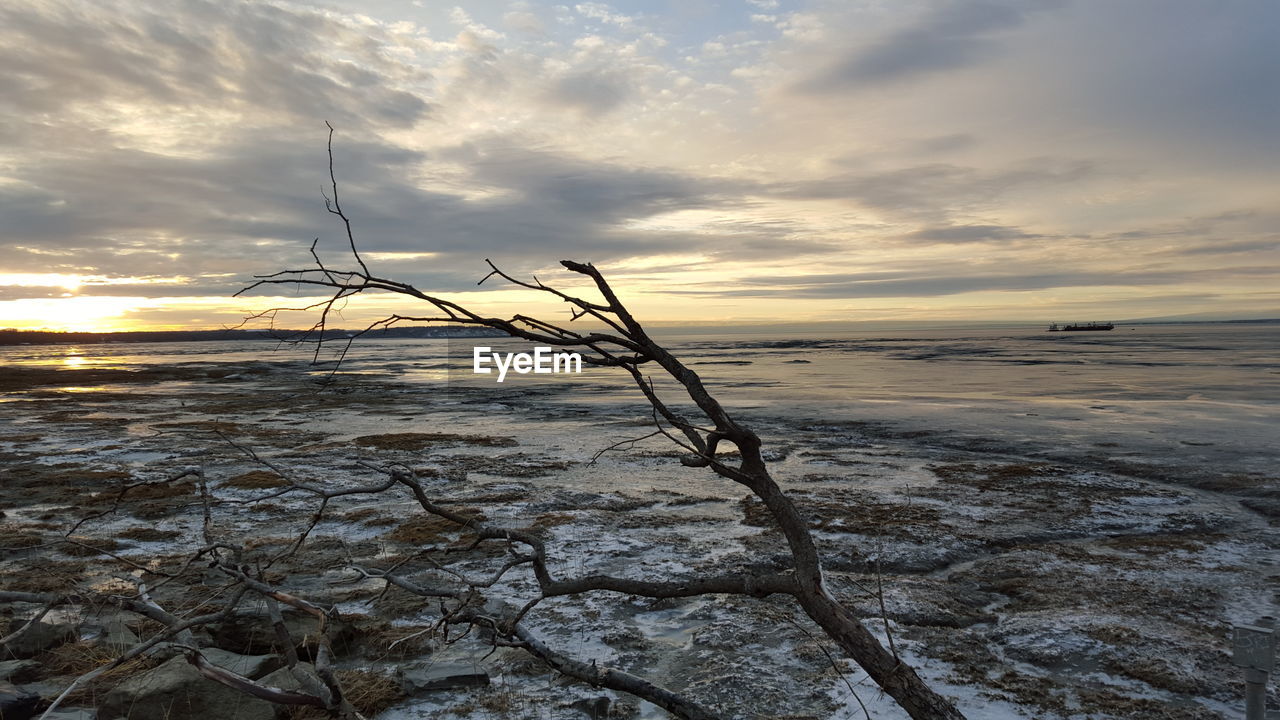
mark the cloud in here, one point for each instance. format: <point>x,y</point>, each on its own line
<point>967,234</point>
<point>522,19</point>
<point>258,204</point>
<point>1271,245</point>
<point>953,35</point>
<point>1099,143</point>
<point>901,284</point>
<point>592,92</point>
<point>65,58</point>
<point>937,191</point>
<point>604,13</point>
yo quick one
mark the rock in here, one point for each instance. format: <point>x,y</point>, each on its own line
<point>250,666</point>
<point>626,638</point>
<point>257,636</point>
<point>72,714</point>
<point>114,635</point>
<point>1268,506</point>
<point>50,688</point>
<point>432,676</point>
<point>16,704</point>
<point>37,639</point>
<point>596,708</point>
<point>18,670</point>
<point>284,679</point>
<point>177,690</point>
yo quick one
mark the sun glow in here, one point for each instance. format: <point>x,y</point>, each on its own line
<point>73,314</point>
<point>70,283</point>
<point>73,283</point>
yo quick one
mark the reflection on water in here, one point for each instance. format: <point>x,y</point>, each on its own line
<point>73,357</point>
<point>1156,388</point>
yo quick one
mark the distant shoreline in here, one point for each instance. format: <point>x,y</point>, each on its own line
<point>46,337</point>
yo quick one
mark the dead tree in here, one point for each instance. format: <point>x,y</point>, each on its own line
<point>461,595</point>
<point>621,342</point>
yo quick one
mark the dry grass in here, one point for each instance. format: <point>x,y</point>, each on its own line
<point>148,492</point>
<point>21,438</point>
<point>42,574</point>
<point>419,441</point>
<point>1160,544</point>
<point>430,528</point>
<point>369,692</point>
<point>848,513</point>
<point>45,477</point>
<point>75,659</point>
<point>400,603</point>
<point>202,426</point>
<point>11,539</point>
<point>143,533</point>
<point>423,529</point>
<point>372,517</point>
<point>254,543</point>
<point>552,519</point>
<point>385,640</point>
<point>256,480</point>
<point>1009,478</point>
<point>87,546</point>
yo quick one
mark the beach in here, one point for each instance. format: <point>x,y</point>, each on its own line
<point>1046,526</point>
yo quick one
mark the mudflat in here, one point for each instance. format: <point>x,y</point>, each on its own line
<point>1022,586</point>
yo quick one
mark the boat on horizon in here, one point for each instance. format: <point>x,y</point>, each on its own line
<point>1078,328</point>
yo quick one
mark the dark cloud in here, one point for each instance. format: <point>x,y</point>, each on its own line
<point>591,92</point>
<point>251,56</point>
<point>258,202</point>
<point>953,35</point>
<point>1229,248</point>
<point>968,233</point>
<point>945,143</point>
<point>904,284</point>
<point>1246,221</point>
<point>1191,80</point>
<point>937,191</point>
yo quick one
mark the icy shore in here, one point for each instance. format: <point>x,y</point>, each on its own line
<point>1024,585</point>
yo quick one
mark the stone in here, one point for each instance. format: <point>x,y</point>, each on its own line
<point>596,708</point>
<point>16,704</point>
<point>72,714</point>
<point>257,636</point>
<point>284,679</point>
<point>429,676</point>
<point>18,670</point>
<point>177,690</point>
<point>114,635</point>
<point>250,666</point>
<point>37,638</point>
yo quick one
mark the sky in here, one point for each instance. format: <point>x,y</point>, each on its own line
<point>722,162</point>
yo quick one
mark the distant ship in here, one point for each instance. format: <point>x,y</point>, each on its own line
<point>1077,328</point>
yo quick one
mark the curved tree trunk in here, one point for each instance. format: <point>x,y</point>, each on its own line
<point>897,679</point>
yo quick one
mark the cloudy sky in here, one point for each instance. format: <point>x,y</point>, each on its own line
<point>730,161</point>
